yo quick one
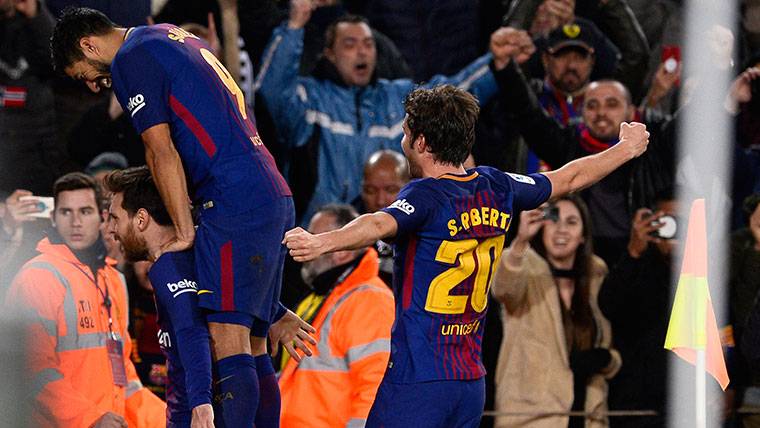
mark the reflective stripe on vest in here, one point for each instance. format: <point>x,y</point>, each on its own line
<point>72,340</point>
<point>325,361</point>
<point>43,378</point>
<point>356,423</point>
<point>132,387</point>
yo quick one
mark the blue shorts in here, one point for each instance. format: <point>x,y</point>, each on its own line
<point>240,258</point>
<point>437,404</point>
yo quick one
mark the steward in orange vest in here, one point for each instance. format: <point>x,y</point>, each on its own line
<point>352,310</point>
<point>76,307</point>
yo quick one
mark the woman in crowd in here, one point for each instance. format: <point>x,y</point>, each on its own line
<point>556,355</point>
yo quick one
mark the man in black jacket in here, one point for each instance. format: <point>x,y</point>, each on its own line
<point>606,105</point>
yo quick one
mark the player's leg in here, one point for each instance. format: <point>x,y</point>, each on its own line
<point>223,291</point>
<point>237,388</point>
<point>268,415</point>
<point>471,395</point>
<point>417,405</point>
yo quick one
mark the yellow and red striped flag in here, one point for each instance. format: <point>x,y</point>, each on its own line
<point>692,324</point>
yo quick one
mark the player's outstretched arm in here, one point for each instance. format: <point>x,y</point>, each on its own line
<point>166,167</point>
<point>584,172</point>
<point>362,232</point>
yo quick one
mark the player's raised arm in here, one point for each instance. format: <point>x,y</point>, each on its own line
<point>362,232</point>
<point>584,172</point>
<point>166,167</point>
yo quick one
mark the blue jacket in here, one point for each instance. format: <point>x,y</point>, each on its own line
<point>348,123</point>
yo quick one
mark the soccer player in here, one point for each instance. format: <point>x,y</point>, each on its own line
<point>141,223</point>
<point>449,226</point>
<point>199,136</point>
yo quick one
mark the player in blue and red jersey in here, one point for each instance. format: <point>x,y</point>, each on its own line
<point>200,143</point>
<point>141,223</point>
<point>449,226</point>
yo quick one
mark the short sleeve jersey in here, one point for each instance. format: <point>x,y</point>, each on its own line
<point>163,74</point>
<point>175,290</point>
<point>451,233</point>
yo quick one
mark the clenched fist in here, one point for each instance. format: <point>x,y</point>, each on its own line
<point>634,137</point>
<point>507,43</point>
<point>303,245</point>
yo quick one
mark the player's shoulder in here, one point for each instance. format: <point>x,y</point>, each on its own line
<point>173,265</point>
<point>146,40</point>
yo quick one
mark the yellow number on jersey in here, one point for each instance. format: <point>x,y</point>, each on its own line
<point>467,250</point>
<point>227,79</point>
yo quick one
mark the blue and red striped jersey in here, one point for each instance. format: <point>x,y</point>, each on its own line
<point>163,74</point>
<point>451,233</point>
<point>183,335</point>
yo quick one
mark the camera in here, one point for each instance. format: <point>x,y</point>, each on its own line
<point>550,212</point>
<point>669,227</point>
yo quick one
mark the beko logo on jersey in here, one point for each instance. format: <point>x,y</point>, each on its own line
<point>184,286</point>
<point>135,104</point>
<point>403,205</point>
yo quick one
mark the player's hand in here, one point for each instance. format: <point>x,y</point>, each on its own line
<point>175,245</point>
<point>202,416</point>
<point>634,137</point>
<point>303,245</point>
<point>110,420</point>
<point>644,223</point>
<point>300,13</point>
<point>507,43</point>
<point>530,223</point>
<point>292,332</point>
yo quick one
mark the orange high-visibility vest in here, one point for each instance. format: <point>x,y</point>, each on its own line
<point>337,385</point>
<point>71,374</point>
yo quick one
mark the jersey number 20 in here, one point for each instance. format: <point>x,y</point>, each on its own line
<point>467,250</point>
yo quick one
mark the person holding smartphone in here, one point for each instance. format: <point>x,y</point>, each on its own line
<point>636,300</point>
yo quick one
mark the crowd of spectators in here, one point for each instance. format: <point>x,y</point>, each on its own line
<point>326,80</point>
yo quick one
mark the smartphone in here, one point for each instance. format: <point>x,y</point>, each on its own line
<point>551,212</point>
<point>44,205</point>
<point>671,57</point>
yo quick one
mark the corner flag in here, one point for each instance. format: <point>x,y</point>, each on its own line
<point>692,324</point>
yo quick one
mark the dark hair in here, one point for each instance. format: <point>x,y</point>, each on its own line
<point>139,190</point>
<point>77,181</point>
<point>343,213</point>
<point>750,203</point>
<point>332,29</point>
<point>582,317</point>
<point>445,116</point>
<point>75,23</point>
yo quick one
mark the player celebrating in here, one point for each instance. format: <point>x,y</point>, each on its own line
<point>140,222</point>
<point>193,118</point>
<point>449,227</point>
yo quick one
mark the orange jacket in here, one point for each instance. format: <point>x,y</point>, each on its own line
<point>337,385</point>
<point>67,356</point>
